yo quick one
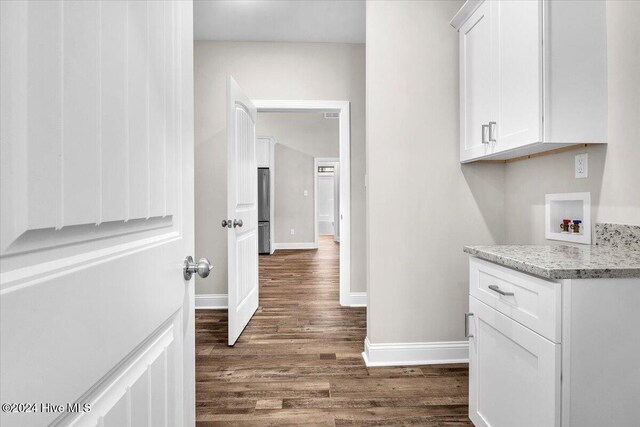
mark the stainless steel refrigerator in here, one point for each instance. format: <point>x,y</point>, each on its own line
<point>264,241</point>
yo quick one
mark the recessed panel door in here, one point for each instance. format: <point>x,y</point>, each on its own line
<point>242,205</point>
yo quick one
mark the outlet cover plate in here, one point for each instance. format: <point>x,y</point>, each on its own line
<point>582,165</point>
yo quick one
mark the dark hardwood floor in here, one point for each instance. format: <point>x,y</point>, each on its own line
<point>298,362</point>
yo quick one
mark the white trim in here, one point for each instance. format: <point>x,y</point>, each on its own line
<point>344,107</point>
<point>288,105</point>
<point>304,245</point>
<point>358,299</point>
<point>464,13</point>
<point>419,353</point>
<point>272,194</point>
<point>212,301</point>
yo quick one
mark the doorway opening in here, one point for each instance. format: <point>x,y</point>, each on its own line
<point>340,110</point>
<point>326,173</point>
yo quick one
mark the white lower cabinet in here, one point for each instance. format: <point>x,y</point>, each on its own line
<point>514,373</point>
<point>549,353</point>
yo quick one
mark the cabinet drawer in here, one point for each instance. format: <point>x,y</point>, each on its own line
<point>531,301</point>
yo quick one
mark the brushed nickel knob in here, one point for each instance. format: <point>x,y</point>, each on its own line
<point>237,223</point>
<point>203,268</point>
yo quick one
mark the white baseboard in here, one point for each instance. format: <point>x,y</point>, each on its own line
<point>212,301</point>
<point>220,301</point>
<point>358,299</point>
<point>309,245</point>
<point>421,353</point>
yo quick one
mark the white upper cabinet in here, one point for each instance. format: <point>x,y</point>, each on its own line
<point>475,82</point>
<point>517,113</point>
<point>533,76</point>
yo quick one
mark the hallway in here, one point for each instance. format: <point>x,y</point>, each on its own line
<point>298,362</point>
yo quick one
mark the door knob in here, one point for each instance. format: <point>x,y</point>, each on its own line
<point>237,223</point>
<point>226,223</point>
<point>203,267</point>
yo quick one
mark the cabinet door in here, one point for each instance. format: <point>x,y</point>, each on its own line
<point>475,83</point>
<point>517,46</point>
<point>514,373</point>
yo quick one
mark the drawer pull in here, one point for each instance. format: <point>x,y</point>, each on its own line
<point>495,288</point>
<point>466,325</point>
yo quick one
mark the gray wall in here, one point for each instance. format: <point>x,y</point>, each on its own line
<point>270,71</point>
<point>294,175</point>
<point>310,133</point>
<point>614,173</point>
<point>299,138</point>
<point>422,205</point>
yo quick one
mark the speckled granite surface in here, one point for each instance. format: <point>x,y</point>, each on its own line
<point>618,235</point>
<point>564,262</point>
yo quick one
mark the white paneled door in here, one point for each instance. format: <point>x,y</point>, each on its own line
<point>97,321</point>
<point>242,208</point>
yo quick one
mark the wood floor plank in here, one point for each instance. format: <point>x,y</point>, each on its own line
<point>298,362</point>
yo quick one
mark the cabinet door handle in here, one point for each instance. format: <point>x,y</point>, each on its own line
<point>466,325</point>
<point>492,131</point>
<point>496,288</point>
<point>485,128</point>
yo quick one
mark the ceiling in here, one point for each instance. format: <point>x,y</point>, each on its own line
<point>330,21</point>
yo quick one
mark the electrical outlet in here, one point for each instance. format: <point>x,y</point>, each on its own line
<point>293,231</point>
<point>306,193</point>
<point>582,165</point>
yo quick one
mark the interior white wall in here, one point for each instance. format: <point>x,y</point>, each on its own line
<point>614,174</point>
<point>294,209</point>
<point>300,71</point>
<point>422,205</point>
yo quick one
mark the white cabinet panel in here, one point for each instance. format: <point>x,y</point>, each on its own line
<point>517,41</point>
<point>514,373</point>
<point>475,83</point>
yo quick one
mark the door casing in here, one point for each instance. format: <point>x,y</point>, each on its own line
<point>344,110</point>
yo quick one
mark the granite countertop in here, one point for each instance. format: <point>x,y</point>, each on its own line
<point>564,261</point>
